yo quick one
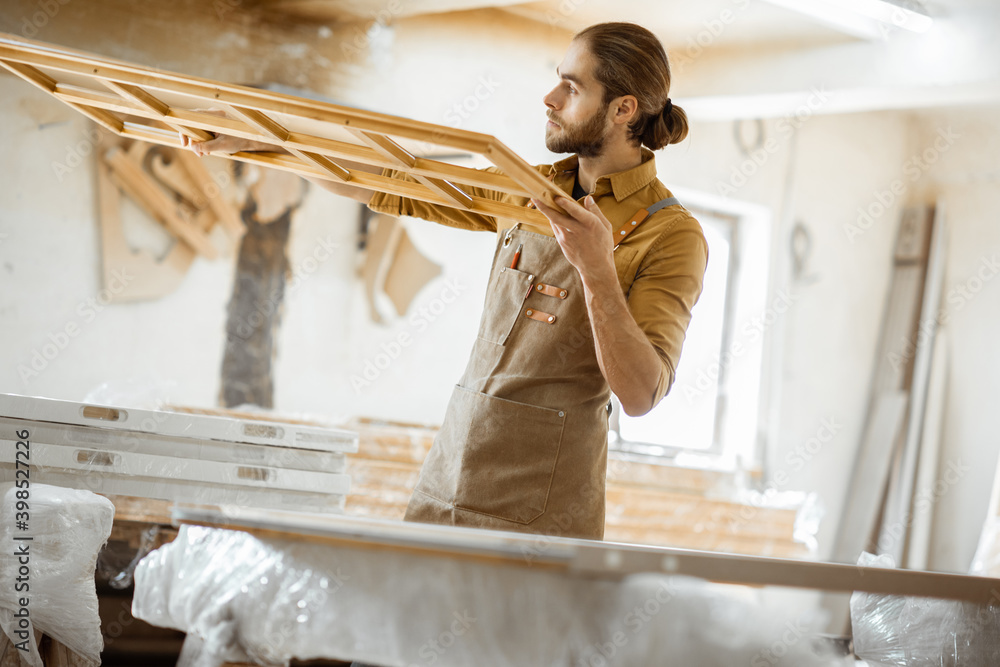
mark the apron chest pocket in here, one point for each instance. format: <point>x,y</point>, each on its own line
<point>504,298</point>
<point>506,451</point>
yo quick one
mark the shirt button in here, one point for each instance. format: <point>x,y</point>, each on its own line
<point>552,318</point>
<point>528,313</point>
<point>530,278</point>
<point>622,232</point>
<point>540,287</point>
<point>563,294</point>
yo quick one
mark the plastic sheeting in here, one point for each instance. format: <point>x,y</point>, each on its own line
<point>986,562</point>
<point>240,597</point>
<point>922,632</point>
<point>68,528</point>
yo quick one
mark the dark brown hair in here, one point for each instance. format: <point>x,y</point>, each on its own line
<point>631,61</point>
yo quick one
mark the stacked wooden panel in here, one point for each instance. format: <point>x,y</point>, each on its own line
<point>239,462</point>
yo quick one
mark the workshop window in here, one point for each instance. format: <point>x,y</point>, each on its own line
<point>712,408</point>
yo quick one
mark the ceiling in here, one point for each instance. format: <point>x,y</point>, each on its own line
<point>715,23</point>
<point>758,58</point>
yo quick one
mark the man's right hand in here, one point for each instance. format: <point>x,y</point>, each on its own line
<point>224,143</point>
<point>227,145</point>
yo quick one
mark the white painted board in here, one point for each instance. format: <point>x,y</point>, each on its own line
<point>178,424</point>
<point>47,433</point>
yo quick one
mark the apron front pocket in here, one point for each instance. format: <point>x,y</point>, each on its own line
<point>506,294</point>
<point>507,454</point>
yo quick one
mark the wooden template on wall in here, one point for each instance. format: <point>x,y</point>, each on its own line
<point>317,134</point>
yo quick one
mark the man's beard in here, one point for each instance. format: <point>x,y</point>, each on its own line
<point>586,139</point>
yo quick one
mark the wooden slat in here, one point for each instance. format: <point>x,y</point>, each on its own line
<point>262,122</point>
<point>105,119</point>
<point>321,145</point>
<point>255,107</point>
<point>405,160</point>
<point>226,213</point>
<point>899,498</point>
<point>386,147</point>
<point>524,175</point>
<point>155,106</point>
<point>130,177</point>
<point>448,190</point>
<point>323,162</point>
<point>40,54</point>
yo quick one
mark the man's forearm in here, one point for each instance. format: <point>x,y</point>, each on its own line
<point>343,189</point>
<point>627,359</point>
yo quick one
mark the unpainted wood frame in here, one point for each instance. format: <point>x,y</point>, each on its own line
<point>123,88</point>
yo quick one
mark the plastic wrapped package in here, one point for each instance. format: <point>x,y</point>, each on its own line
<point>240,597</point>
<point>68,528</point>
<point>986,562</point>
<point>922,632</point>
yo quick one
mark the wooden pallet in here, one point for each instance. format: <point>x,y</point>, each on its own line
<point>646,503</point>
<point>114,94</point>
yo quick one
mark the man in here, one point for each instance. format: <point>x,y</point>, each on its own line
<point>598,303</point>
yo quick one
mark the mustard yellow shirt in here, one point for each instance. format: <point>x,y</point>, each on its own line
<point>661,264</point>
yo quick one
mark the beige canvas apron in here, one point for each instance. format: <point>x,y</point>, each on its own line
<point>523,444</point>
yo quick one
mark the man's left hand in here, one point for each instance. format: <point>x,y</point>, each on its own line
<point>585,235</point>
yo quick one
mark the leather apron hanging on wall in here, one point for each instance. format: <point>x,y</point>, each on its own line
<point>523,444</point>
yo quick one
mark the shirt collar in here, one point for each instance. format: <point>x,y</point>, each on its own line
<point>622,183</point>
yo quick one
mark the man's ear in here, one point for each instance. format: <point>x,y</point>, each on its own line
<point>625,110</point>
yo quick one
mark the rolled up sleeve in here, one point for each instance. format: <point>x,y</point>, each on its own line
<point>667,285</point>
<point>397,205</point>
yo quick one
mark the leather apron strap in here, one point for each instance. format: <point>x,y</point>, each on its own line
<point>641,215</point>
